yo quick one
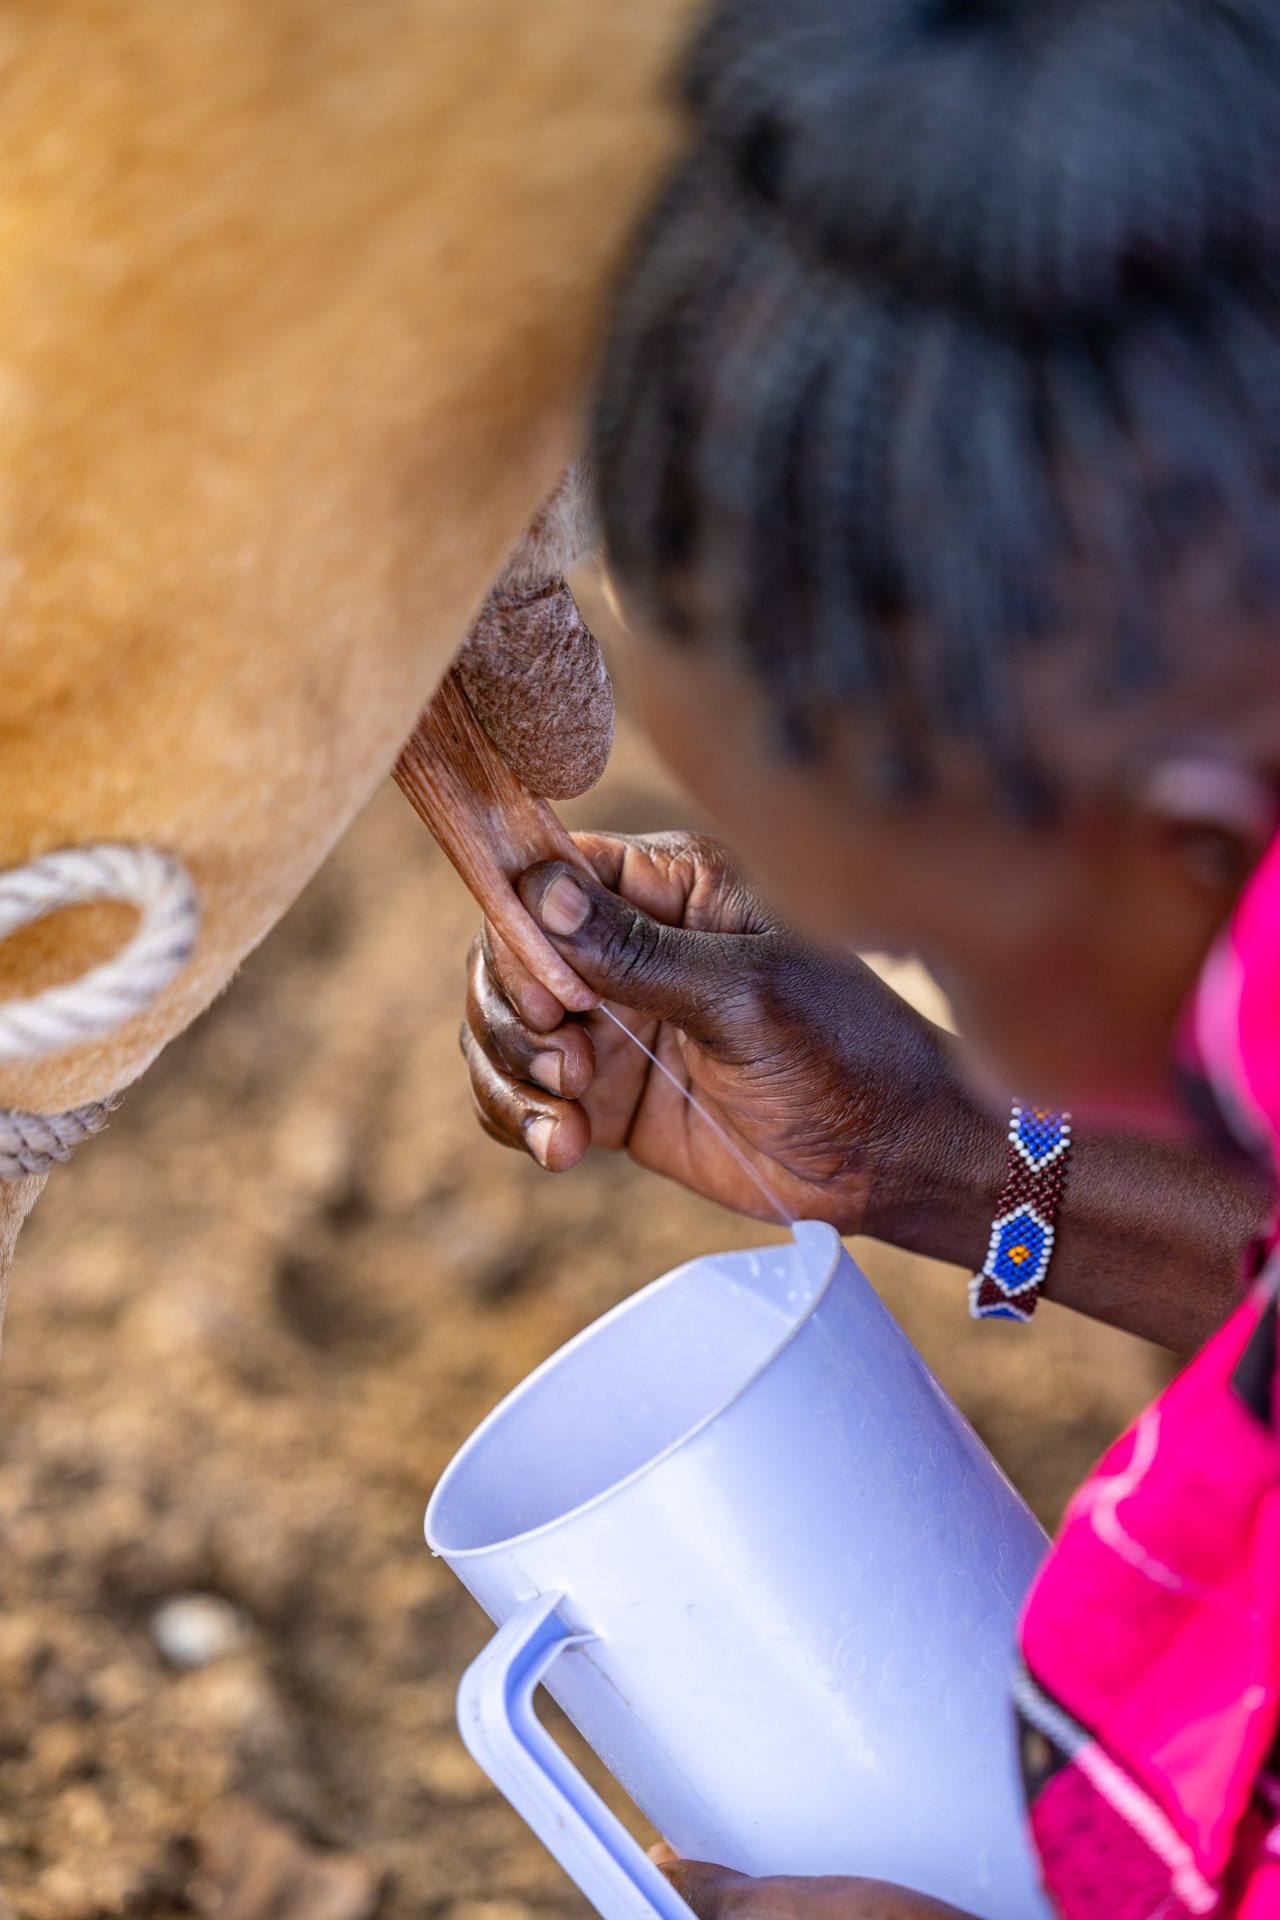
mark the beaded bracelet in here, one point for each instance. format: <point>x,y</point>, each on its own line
<point>1021,1245</point>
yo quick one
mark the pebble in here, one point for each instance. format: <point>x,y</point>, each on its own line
<point>192,1629</point>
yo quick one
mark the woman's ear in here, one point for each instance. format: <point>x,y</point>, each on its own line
<point>1213,816</point>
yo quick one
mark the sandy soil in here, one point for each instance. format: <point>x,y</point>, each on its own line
<point>249,1326</point>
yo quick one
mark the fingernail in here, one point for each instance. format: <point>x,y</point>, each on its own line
<point>564,906</point>
<point>538,1133</point>
<point>548,1070</point>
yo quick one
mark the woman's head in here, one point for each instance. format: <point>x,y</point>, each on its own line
<point>939,442</point>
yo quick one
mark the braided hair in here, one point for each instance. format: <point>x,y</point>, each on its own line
<point>946,295</point>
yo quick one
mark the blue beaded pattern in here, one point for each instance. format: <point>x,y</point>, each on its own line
<point>1039,1138</point>
<point>1022,1233</point>
<point>1018,1256</point>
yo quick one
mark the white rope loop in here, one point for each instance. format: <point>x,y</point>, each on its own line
<point>108,995</point>
<point>100,1000</point>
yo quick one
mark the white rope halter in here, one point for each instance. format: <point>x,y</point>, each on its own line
<point>100,1000</point>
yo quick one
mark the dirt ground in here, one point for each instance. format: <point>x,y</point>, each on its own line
<point>250,1324</point>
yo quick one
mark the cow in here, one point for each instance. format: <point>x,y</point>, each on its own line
<point>298,312</point>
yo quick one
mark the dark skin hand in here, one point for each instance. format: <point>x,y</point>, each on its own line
<point>714,1893</point>
<point>800,1055</point>
<point>851,1107</point>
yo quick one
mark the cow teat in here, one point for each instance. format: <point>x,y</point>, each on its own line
<point>525,716</point>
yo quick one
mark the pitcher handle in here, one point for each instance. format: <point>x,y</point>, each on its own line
<point>503,1734</point>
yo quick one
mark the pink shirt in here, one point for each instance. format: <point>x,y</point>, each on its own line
<point>1150,1690</point>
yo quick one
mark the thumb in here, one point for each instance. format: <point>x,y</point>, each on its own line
<point>704,1888</point>
<point>624,954</point>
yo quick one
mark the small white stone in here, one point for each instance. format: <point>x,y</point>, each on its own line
<point>194,1628</point>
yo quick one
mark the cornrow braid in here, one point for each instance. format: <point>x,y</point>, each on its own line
<point>947,294</point>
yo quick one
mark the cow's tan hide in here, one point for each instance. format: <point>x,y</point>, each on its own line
<point>17,1197</point>
<point>297,306</point>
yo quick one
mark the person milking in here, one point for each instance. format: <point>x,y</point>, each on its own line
<point>938,442</point>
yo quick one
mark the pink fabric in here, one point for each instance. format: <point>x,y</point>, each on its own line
<point>1150,1699</point>
<point>1234,1024</point>
<point>1254,939</point>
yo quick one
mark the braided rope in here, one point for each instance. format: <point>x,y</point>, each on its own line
<point>100,1000</point>
<point>35,1142</point>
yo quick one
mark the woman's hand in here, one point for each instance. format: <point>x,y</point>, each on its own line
<point>716,1894</point>
<point>845,1101</point>
<point>849,1105</point>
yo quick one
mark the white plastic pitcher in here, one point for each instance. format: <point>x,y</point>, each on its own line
<point>772,1575</point>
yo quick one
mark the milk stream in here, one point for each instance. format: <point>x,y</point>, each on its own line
<point>709,1119</point>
